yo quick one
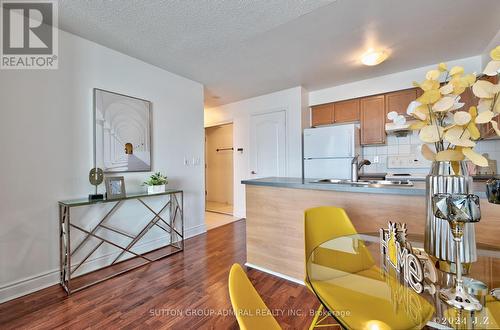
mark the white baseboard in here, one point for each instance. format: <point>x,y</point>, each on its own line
<point>195,231</point>
<point>283,276</point>
<point>28,285</point>
<point>239,214</point>
<point>40,281</point>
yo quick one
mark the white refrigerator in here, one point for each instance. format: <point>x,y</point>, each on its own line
<point>328,151</point>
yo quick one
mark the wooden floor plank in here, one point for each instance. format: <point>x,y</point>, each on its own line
<point>185,291</point>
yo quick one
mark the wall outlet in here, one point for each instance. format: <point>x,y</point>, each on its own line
<point>192,161</point>
<point>406,162</point>
<point>376,160</point>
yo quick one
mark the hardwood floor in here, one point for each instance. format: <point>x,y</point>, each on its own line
<point>185,291</point>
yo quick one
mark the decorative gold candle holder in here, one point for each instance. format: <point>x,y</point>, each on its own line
<point>458,209</point>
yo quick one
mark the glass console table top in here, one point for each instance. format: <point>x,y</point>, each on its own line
<point>347,276</point>
<point>86,201</point>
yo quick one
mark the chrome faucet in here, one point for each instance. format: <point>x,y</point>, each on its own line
<point>356,166</point>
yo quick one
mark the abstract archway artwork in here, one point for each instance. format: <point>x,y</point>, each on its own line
<point>122,136</point>
<point>129,148</point>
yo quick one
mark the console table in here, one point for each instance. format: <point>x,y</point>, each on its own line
<point>172,225</point>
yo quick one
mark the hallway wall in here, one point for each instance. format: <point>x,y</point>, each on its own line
<point>46,130</point>
<point>293,101</point>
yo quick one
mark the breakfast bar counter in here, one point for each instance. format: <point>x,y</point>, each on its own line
<point>417,188</point>
<point>275,216</point>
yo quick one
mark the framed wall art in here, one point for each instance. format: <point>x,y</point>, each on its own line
<point>122,132</point>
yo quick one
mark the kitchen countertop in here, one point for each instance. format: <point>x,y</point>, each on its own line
<point>418,187</point>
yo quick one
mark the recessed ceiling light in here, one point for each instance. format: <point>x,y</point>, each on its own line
<point>374,57</point>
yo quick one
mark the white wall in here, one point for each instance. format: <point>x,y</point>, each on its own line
<point>387,83</point>
<point>239,113</point>
<point>46,149</point>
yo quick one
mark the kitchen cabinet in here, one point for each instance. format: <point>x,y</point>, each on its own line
<point>346,111</point>
<point>486,130</point>
<point>322,114</point>
<point>372,114</point>
<point>470,100</point>
<point>419,92</point>
<point>399,101</point>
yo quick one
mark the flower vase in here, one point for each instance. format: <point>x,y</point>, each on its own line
<point>439,243</point>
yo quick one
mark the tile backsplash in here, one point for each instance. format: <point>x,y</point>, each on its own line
<point>410,146</point>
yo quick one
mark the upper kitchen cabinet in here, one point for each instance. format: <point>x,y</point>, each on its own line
<point>487,131</point>
<point>419,92</point>
<point>346,111</point>
<point>322,114</point>
<point>399,101</point>
<point>469,100</point>
<point>372,115</point>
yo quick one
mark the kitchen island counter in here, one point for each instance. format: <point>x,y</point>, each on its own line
<point>418,188</point>
<point>275,216</point>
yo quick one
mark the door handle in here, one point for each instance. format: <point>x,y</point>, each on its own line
<point>253,172</point>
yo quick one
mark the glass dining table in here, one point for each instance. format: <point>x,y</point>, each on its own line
<point>351,278</point>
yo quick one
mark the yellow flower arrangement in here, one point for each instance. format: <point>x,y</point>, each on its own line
<point>440,120</point>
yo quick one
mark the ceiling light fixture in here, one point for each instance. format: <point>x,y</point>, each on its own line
<point>374,57</point>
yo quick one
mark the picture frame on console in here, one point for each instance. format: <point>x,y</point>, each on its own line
<point>122,132</point>
<point>115,187</point>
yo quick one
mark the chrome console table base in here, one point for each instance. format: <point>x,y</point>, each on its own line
<point>171,227</point>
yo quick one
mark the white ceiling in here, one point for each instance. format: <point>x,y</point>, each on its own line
<point>244,48</point>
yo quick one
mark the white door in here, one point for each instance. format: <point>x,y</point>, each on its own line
<point>268,145</point>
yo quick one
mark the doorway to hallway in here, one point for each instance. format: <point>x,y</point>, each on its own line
<point>219,175</point>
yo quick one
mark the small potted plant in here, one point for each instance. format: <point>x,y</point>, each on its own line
<point>156,183</point>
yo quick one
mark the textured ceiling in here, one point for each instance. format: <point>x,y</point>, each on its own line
<point>245,48</point>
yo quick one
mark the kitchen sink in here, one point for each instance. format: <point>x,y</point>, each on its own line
<point>369,183</point>
<point>333,181</point>
<point>387,182</point>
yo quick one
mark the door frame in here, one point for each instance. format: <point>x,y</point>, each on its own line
<point>223,123</point>
<point>267,112</point>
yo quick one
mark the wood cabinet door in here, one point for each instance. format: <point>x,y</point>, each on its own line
<point>419,91</point>
<point>486,130</point>
<point>399,101</point>
<point>346,111</point>
<point>470,99</point>
<point>372,116</point>
<point>322,114</point>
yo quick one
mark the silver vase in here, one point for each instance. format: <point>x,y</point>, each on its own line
<point>439,241</point>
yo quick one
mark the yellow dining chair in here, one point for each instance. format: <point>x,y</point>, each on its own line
<point>249,308</point>
<point>321,224</point>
